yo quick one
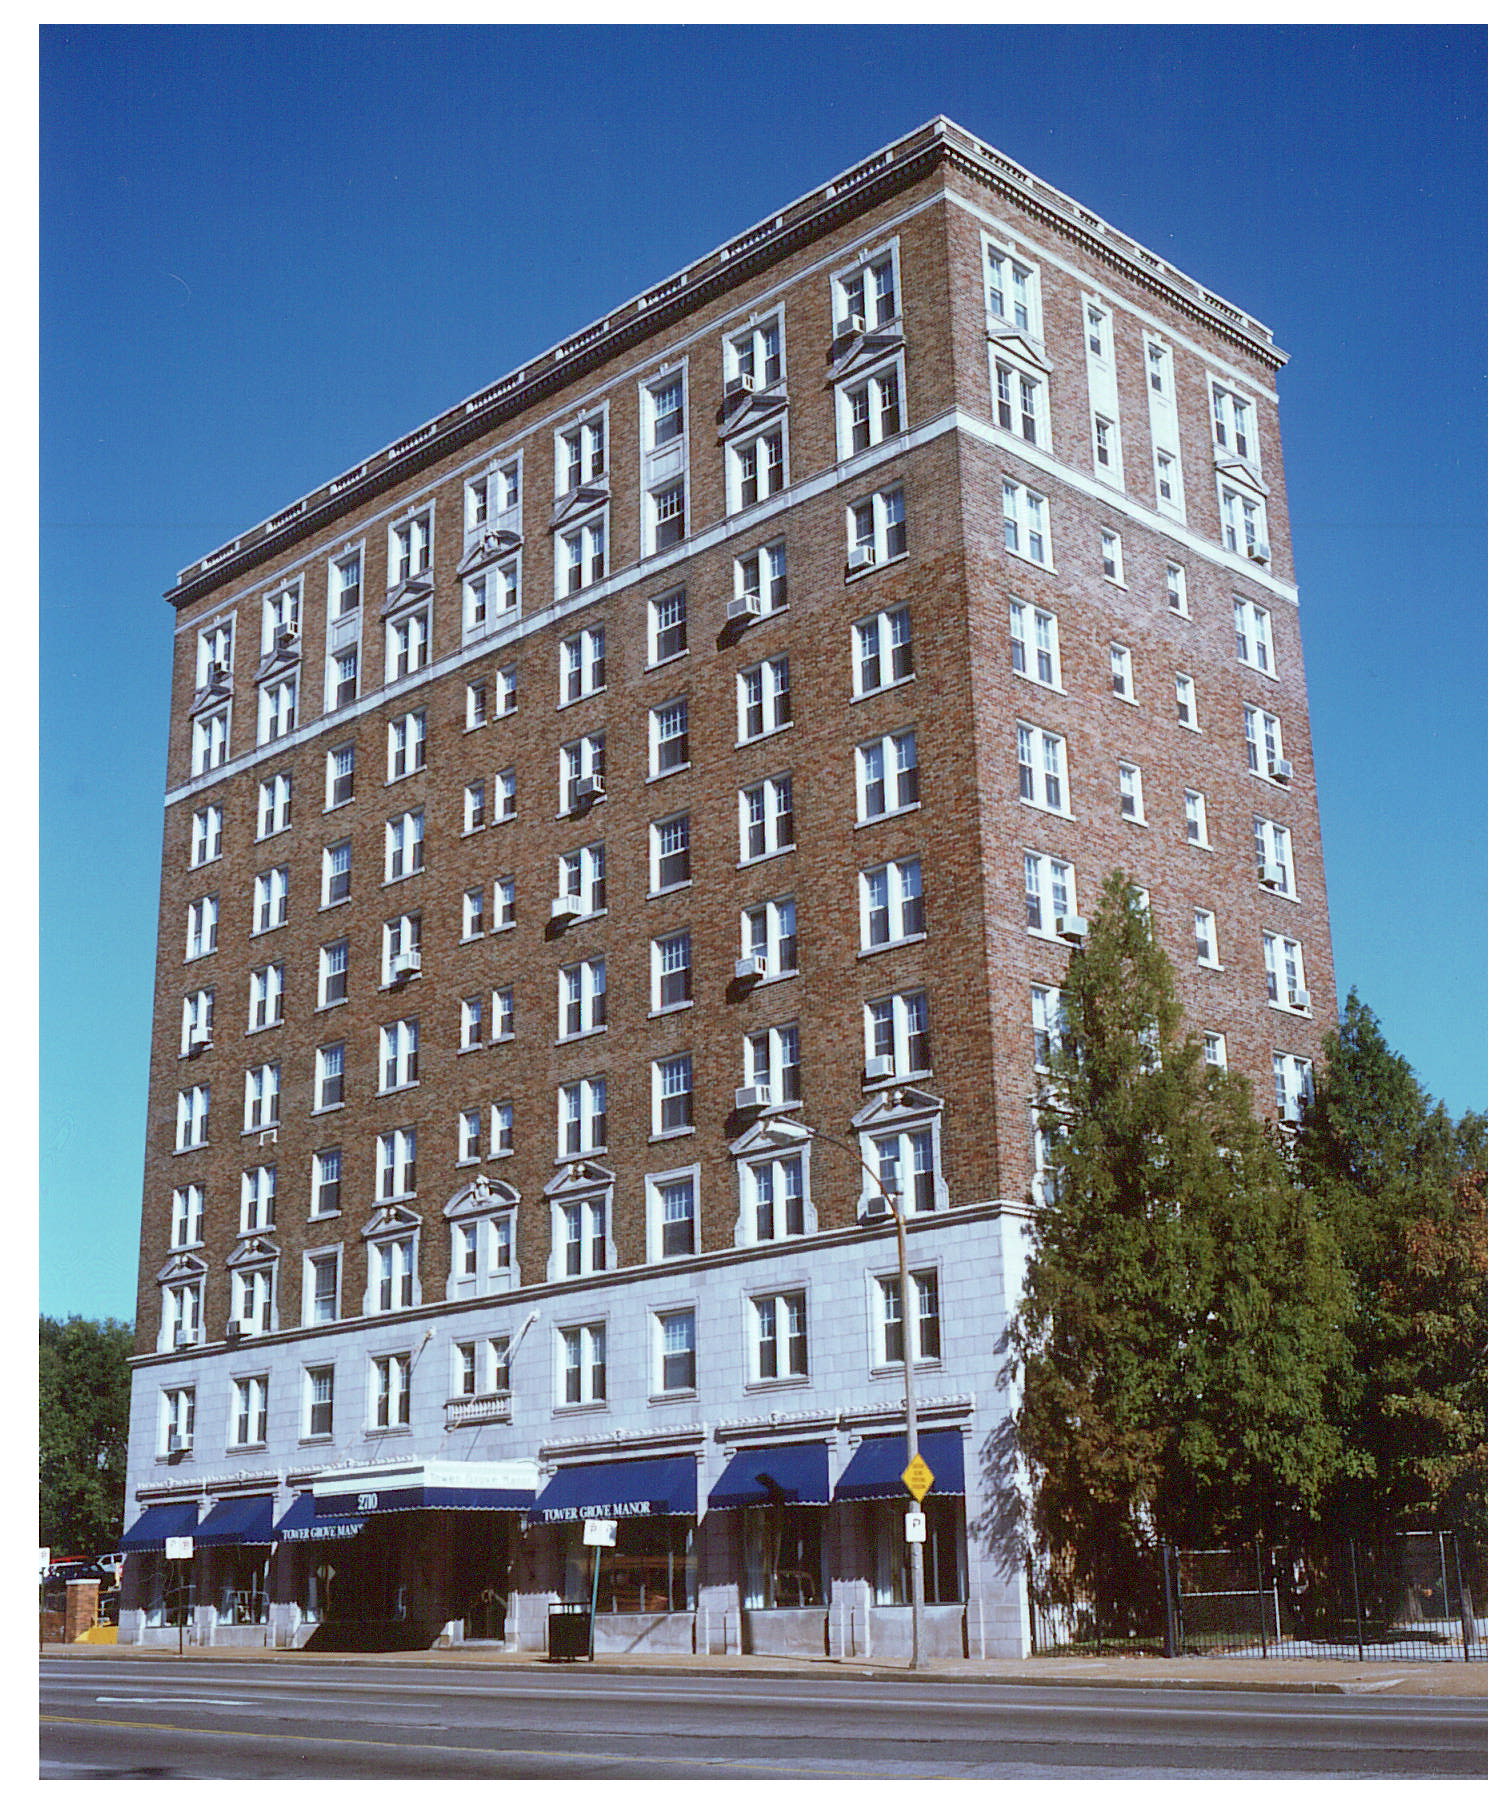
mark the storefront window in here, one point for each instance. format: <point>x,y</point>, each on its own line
<point>239,1584</point>
<point>166,1590</point>
<point>945,1559</point>
<point>783,1548</point>
<point>652,1568</point>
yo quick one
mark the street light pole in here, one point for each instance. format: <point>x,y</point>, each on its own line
<point>916,1571</point>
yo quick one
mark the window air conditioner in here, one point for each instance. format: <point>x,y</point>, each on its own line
<point>174,1443</point>
<point>741,606</point>
<point>1299,997</point>
<point>406,962</point>
<point>880,1068</point>
<point>568,906</point>
<point>1291,1113</point>
<point>1281,770</point>
<point>182,1338</point>
<point>737,385</point>
<point>874,1206</point>
<point>853,326</point>
<point>862,556</point>
<point>750,968</point>
<point>1272,875</point>
<point>199,1038</point>
<point>218,675</point>
<point>1259,553</point>
<point>752,1099</point>
<point>1072,926</point>
<point>233,1330</point>
<point>285,640</point>
<point>584,790</point>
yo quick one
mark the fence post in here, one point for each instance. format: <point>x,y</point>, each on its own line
<point>1359,1627</point>
<point>1169,1633</point>
<point>1465,1604</point>
<point>1260,1600</point>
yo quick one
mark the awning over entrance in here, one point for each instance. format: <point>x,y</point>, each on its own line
<point>619,1490</point>
<point>299,1524</point>
<point>242,1519</point>
<point>874,1471</point>
<point>179,1518</point>
<point>366,1503</point>
<point>778,1474</point>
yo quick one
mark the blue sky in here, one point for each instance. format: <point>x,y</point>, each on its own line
<point>268,251</point>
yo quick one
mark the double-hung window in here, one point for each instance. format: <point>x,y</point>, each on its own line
<point>252,1298</point>
<point>755,467</point>
<point>1042,757</point>
<point>192,1117</point>
<point>473,808</point>
<point>396,1164</point>
<point>582,1363</point>
<point>407,643</point>
<point>773,1061</point>
<point>754,355</point>
<point>337,862</point>
<point>774,1198</point>
<point>503,903</point>
<point>1028,531</point>
<point>187,1216</point>
<point>1112,557</point>
<point>765,698</point>
<point>581,776</point>
<point>406,745</point>
<point>328,1181</point>
<point>1234,425</point>
<point>215,653</point>
<point>391,1391</point>
<point>1263,744</point>
<point>328,1077</point>
<point>207,843</point>
<point>267,987</point>
<point>882,651</point>
<point>1242,523</point>
<point>672,1094</point>
<point>581,666</point>
<point>886,780</point>
<point>1206,937</point>
<point>273,811</point>
<point>1020,400</point>
<point>400,948</point>
<point>896,1034</point>
<point>672,1215</point>
<point>339,777</point>
<point>876,529</point>
<point>779,1324</point>
<point>248,1411</point>
<point>502,1128</point>
<point>1273,856</point>
<point>197,1021</point>
<point>345,581</point>
<point>1294,1084</point>
<point>403,845</point>
<point>1285,985</point>
<point>667,632</point>
<point>410,549</point>
<point>671,853</point>
<point>178,1409</point>
<point>203,927</point>
<point>262,1096</point>
<point>905,1162</point>
<point>580,874</point>
<point>1253,643</point>
<point>676,1345</point>
<point>1046,1025</point>
<point>491,596</point>
<point>270,911</point>
<point>1050,895</point>
<point>927,1339</point>
<point>671,971</point>
<point>317,1419</point>
<point>869,409</point>
<point>1187,701</point>
<point>1121,673</point>
<point>342,685</point>
<point>891,908</point>
<point>210,740</point>
<point>278,709</point>
<point>582,1117</point>
<point>1196,809</point>
<point>582,1227</point>
<point>581,556</point>
<point>767,821</point>
<point>1033,643</point>
<point>1011,290</point>
<point>1176,583</point>
<point>864,299</point>
<point>760,579</point>
<point>581,454</point>
<point>581,1002</point>
<point>399,1058</point>
<point>769,932</point>
<point>669,737</point>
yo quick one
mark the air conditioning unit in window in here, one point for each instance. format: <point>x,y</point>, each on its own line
<point>874,1206</point>
<point>568,906</point>
<point>233,1331</point>
<point>741,607</point>
<point>218,675</point>
<point>199,1039</point>
<point>737,385</point>
<point>176,1443</point>
<point>853,326</point>
<point>1281,770</point>
<point>406,962</point>
<point>285,639</point>
<point>880,1068</point>
<point>1259,553</point>
<point>1272,875</point>
<point>183,1338</point>
<point>1299,997</point>
<point>750,968</point>
<point>752,1099</point>
<point>1291,1112</point>
<point>862,556</point>
<point>1073,927</point>
<point>584,790</point>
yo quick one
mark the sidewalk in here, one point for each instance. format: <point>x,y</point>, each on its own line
<point>1298,1675</point>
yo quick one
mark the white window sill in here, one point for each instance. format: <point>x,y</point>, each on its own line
<point>509,1037</point>
<point>673,1006</point>
<point>401,1087</point>
<point>328,1005</point>
<point>471,830</point>
<point>1255,669</point>
<point>577,1037</point>
<point>265,837</point>
<point>387,1431</point>
<point>567,1408</point>
<point>770,1383</point>
<point>672,1396</point>
<point>469,937</point>
<point>332,1107</point>
<point>256,1030</point>
<point>1200,844</point>
<point>676,1131</point>
<point>754,862</point>
<point>1185,725</point>
<point>1031,561</point>
<point>761,736</point>
<point>896,812</point>
<point>874,568</point>
<point>662,774</point>
<point>893,1371</point>
<point>504,818</point>
<point>497,1155</point>
<point>919,937</point>
<point>1295,1012</point>
<point>1204,963</point>
<point>588,693</point>
<point>509,925</point>
<point>256,1449</point>
<point>468,1049</point>
<point>396,880</point>
<point>1126,699</point>
<point>1052,812</point>
<point>392,780</point>
<point>1131,819</point>
<point>674,887</point>
<point>662,661</point>
<point>885,687</point>
<point>330,905</point>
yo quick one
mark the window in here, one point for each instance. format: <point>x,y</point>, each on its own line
<point>1167,492</point>
<point>774,1199</point>
<point>1046,1025</point>
<point>337,859</point>
<point>676,1346</point>
<point>1121,673</point>
<point>581,1356</point>
<point>1042,757</point>
<point>187,1216</point>
<point>197,1021</point>
<point>1196,809</point>
<point>582,1117</point>
<point>502,1128</point>
<point>1159,370</point>
<point>328,1077</point>
<point>1284,980</point>
<point>755,355</point>
<point>1263,745</point>
<point>1011,290</point>
<point>581,774</point>
<point>339,779</point>
<point>396,1160</point>
<point>473,914</point>
<point>471,1022</point>
<point>507,689</point>
<point>767,822</point>
<point>1177,589</point>
<point>580,873</point>
<point>1187,702</point>
<point>390,1396</point>
<point>1020,401</point>
<point>273,810</point>
<point>476,704</point>
<point>473,807</point>
<point>407,648</point>
<point>580,454</point>
<point>663,412</point>
<point>891,905</point>
<point>215,653</point>
<point>1215,1052</point>
<point>760,579</point>
<point>203,927</point>
<point>672,1216</point>
<point>882,651</point>
<point>343,679</point>
<point>755,467</point>
<point>581,665</point>
<point>669,737</point>
<point>267,987</point>
<point>581,1228</point>
<point>482,1368</point>
<point>580,556</point>
<point>504,907</point>
<point>403,845</point>
<point>1027,531</point>
<point>1033,644</point>
<point>406,745</point>
<point>1106,456</point>
<point>251,1300</point>
<point>1206,937</point>
<point>1234,424</point>
<point>896,1035</point>
<point>672,1095</point>
<point>502,1014</point>
<point>927,1345</point>
<point>876,529</point>
<point>210,740</point>
<point>178,1410</point>
<point>581,998</point>
<point>262,1096</point>
<point>770,933</point>
<point>410,549</point>
<point>1241,521</point>
<point>1132,803</point>
<point>887,775</point>
<point>765,698</point>
<point>1049,892</point>
<point>491,595</point>
<point>779,1322</point>
<point>400,948</point>
<point>279,619</point>
<point>270,900</point>
<point>667,633</point>
<point>864,299</point>
<point>773,1062</point>
<point>1098,332</point>
<point>208,836</point>
<point>278,709</point>
<point>399,1045</point>
<point>1294,1085</point>
<point>248,1411</point>
<point>328,1181</point>
<point>1252,636</point>
<point>344,583</point>
<point>671,853</point>
<point>904,1162</point>
<point>468,1152</point>
<point>1273,856</point>
<point>317,1391</point>
<point>668,515</point>
<point>869,410</point>
<point>1112,556</point>
<point>393,1271</point>
<point>182,1314</point>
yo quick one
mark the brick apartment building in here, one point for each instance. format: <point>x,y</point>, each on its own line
<point>714,733</point>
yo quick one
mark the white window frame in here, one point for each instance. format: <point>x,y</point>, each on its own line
<point>764,693</point>
<point>583,1364</point>
<point>1293,1079</point>
<point>660,852</point>
<point>582,668</point>
<point>671,962</point>
<point>404,839</point>
<point>1019,401</point>
<point>206,844</point>
<point>768,820</point>
<point>760,579</point>
<point>327,1174</point>
<point>273,805</point>
<point>1112,557</point>
<point>887,777</point>
<point>263,1096</point>
<point>1042,769</point>
<point>390,1392</point>
<point>907,909</point>
<point>202,927</point>
<point>276,714</point>
<point>271,900</point>
<point>1122,673</point>
<point>1012,289</point>
<point>258,1199</point>
<point>1263,746</point>
<point>1036,529</point>
<point>582,554</point>
<point>897,1027</point>
<point>491,598</point>
<point>247,1424</point>
<point>1186,690</point>
<point>267,996</point>
<point>870,289</point>
<point>210,739</point>
<point>773,1061</point>
<point>775,1204</point>
<point>582,1117</point>
<point>337,873</point>
<point>582,999</point>
<point>1285,975</point>
<point>672,1095</point>
<point>665,1215</point>
<point>1050,886</point>
<point>580,1235</point>
<point>582,873</point>
<point>668,1350</point>
<point>777,1327</point>
<point>581,453</point>
<point>336,776</point>
<point>881,644</point>
<point>1132,795</point>
<point>1195,809</point>
<point>764,933</point>
<point>321,1300</point>
<point>1206,937</point>
<point>755,466</point>
<point>187,1216</point>
<point>406,745</point>
<point>667,616</point>
<point>663,741</point>
<point>871,408</point>
<point>1254,640</point>
<point>408,642</point>
<point>1273,856</point>
<point>1033,645</point>
<point>1176,585</point>
<point>875,529</point>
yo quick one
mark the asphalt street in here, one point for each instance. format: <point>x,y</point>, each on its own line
<point>107,1717</point>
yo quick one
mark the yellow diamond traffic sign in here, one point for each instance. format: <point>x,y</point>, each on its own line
<point>918,1478</point>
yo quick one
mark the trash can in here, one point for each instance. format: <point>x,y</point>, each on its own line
<point>568,1630</point>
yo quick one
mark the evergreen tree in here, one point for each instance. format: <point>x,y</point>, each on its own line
<point>84,1393</point>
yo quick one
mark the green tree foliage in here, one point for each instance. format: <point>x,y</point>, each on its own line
<point>1182,1306</point>
<point>84,1382</point>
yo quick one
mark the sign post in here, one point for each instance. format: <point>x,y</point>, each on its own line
<point>601,1534</point>
<point>179,1549</point>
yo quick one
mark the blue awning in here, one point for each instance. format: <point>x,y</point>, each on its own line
<point>366,1503</point>
<point>157,1523</point>
<point>786,1474</point>
<point>242,1519</point>
<point>619,1490</point>
<point>299,1524</point>
<point>874,1471</point>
